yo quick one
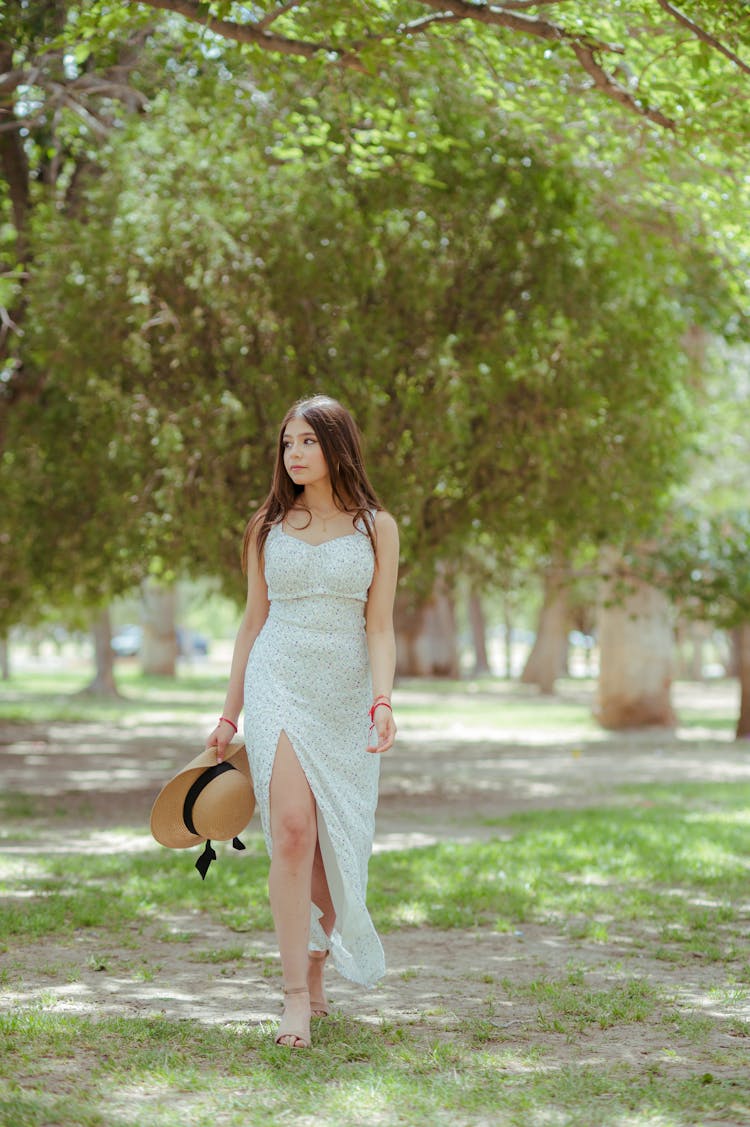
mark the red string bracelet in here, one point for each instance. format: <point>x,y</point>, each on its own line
<point>228,721</point>
<point>377,704</point>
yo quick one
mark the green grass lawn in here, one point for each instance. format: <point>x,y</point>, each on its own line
<point>669,869</point>
<point>151,1071</point>
<point>472,704</point>
<point>656,882</point>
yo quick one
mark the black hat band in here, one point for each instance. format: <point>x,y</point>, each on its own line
<point>197,788</point>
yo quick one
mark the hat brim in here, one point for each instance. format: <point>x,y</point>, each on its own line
<point>167,820</point>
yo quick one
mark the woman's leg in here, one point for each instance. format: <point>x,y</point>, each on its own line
<point>321,897</point>
<point>320,893</point>
<point>293,834</point>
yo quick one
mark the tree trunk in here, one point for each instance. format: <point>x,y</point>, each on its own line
<point>548,656</point>
<point>478,633</point>
<point>4,658</point>
<point>635,669</point>
<point>159,647</point>
<point>103,684</point>
<point>742,635</point>
<point>734,638</point>
<point>426,641</point>
<point>508,625</point>
<point>690,638</point>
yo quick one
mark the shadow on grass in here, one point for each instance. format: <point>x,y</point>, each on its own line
<point>154,1072</point>
<point>680,865</point>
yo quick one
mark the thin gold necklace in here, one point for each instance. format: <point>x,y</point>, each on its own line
<point>326,518</point>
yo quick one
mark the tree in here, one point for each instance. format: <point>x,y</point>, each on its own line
<point>578,47</point>
<point>56,107</point>
<point>701,557</point>
<point>462,300</point>
<point>416,253</point>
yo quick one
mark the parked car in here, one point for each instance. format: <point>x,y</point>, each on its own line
<point>190,643</point>
<point>127,642</point>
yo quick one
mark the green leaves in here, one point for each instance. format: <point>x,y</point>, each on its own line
<point>488,284</point>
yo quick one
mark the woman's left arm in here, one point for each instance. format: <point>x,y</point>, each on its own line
<point>381,638</point>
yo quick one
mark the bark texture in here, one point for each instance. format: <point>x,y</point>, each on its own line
<point>636,646</point>
<point>159,648</point>
<point>426,640</point>
<point>547,659</point>
<point>103,684</point>
<point>478,633</point>
<point>743,669</point>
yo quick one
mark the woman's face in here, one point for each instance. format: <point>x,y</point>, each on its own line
<point>303,456</point>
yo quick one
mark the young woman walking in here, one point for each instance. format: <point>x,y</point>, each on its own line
<point>314,661</point>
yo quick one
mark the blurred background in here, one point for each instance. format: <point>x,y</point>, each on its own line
<point>512,241</point>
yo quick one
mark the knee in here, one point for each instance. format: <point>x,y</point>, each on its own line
<point>294,837</point>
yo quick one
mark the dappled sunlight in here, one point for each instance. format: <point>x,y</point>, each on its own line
<point>96,841</point>
<point>524,888</point>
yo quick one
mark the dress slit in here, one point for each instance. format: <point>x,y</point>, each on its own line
<point>319,941</point>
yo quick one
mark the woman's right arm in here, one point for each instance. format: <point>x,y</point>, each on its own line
<point>256,613</point>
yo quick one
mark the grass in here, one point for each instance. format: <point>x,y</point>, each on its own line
<point>467,705</point>
<point>672,861</point>
<point>654,884</point>
<point>160,1073</point>
<point>38,698</point>
<point>650,867</point>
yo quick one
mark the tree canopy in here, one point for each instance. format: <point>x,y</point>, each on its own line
<point>657,60</point>
<point>494,272</point>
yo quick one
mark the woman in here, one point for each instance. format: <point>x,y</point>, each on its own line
<point>316,652</point>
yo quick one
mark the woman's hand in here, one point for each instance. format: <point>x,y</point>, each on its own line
<point>383,729</point>
<point>220,738</point>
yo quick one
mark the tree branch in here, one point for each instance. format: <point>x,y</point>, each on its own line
<point>702,34</point>
<point>527,25</point>
<point>276,12</point>
<point>519,5</point>
<point>424,22</point>
<point>618,93</point>
<point>253,33</point>
<point>586,48</point>
<point>14,167</point>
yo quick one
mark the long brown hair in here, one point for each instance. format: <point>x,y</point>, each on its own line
<point>340,441</point>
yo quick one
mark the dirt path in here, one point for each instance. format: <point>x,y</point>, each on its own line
<point>99,784</point>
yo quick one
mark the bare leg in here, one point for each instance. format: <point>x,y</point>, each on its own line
<point>293,835</point>
<point>321,896</point>
<point>320,893</point>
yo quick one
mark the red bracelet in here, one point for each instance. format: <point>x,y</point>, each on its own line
<point>228,721</point>
<point>377,704</point>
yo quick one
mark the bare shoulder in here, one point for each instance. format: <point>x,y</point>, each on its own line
<point>252,528</point>
<point>386,534</point>
<point>250,560</point>
<point>385,525</point>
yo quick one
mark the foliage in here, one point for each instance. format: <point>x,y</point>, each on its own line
<point>462,299</point>
<point>412,232</point>
<point>668,66</point>
<point>702,555</point>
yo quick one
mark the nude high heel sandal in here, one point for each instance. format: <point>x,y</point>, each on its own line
<point>290,1027</point>
<point>319,1006</point>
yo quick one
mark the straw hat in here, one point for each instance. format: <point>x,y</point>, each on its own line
<point>205,800</point>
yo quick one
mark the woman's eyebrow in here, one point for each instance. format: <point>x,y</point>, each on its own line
<point>302,434</point>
